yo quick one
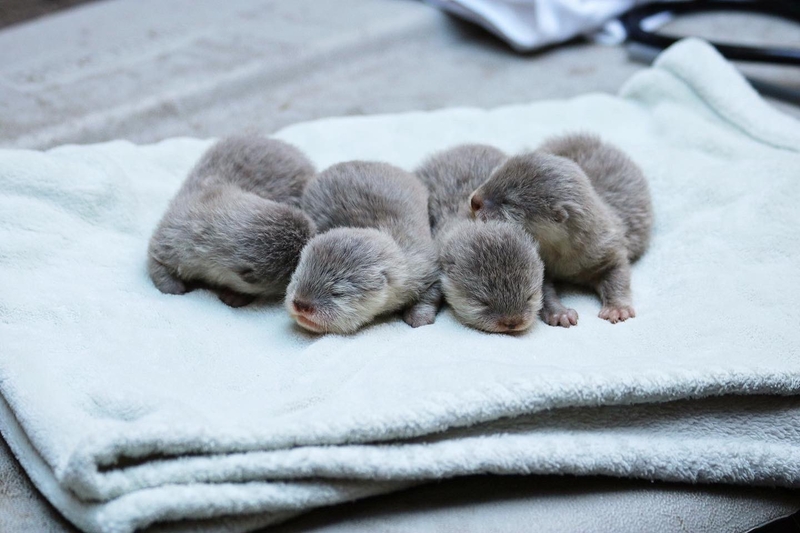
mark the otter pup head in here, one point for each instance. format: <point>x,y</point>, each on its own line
<point>538,190</point>
<point>345,278</point>
<point>265,249</point>
<point>491,275</point>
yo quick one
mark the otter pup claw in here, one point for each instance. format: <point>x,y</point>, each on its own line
<point>563,317</point>
<point>555,313</point>
<point>616,314</point>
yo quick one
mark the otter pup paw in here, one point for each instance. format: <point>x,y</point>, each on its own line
<point>616,313</point>
<point>234,299</point>
<point>163,279</point>
<point>563,317</point>
<point>170,285</point>
<point>420,315</point>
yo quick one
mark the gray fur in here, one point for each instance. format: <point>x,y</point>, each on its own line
<point>269,168</point>
<point>491,273</point>
<point>616,179</point>
<point>451,175</point>
<point>587,205</point>
<point>374,254</point>
<point>233,225</point>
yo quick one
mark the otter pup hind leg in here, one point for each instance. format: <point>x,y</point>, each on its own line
<point>615,293</point>
<point>553,311</point>
<point>423,312</point>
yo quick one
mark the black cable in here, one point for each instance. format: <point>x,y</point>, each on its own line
<point>632,21</point>
<point>646,44</point>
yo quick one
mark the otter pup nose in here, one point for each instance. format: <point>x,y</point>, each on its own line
<point>510,324</point>
<point>476,202</point>
<point>301,306</point>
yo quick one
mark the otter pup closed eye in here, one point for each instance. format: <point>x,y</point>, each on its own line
<point>374,254</point>
<point>491,273</point>
<point>588,206</point>
<point>234,225</point>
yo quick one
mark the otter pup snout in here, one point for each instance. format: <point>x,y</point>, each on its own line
<point>303,307</point>
<point>510,324</point>
<point>482,206</point>
<point>486,205</point>
<point>304,312</point>
<point>476,202</point>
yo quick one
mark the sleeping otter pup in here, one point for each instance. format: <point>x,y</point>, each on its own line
<point>491,273</point>
<point>234,225</point>
<point>588,206</point>
<point>374,254</point>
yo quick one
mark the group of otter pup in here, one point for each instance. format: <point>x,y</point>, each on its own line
<point>488,232</point>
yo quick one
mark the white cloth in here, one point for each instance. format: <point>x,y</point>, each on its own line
<point>129,407</point>
<point>530,24</point>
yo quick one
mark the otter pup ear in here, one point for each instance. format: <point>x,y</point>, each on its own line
<point>563,210</point>
<point>386,276</point>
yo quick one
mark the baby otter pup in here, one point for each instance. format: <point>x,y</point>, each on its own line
<point>588,206</point>
<point>491,273</point>
<point>234,225</point>
<point>375,256</point>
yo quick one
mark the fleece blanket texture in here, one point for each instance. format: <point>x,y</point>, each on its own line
<point>129,408</point>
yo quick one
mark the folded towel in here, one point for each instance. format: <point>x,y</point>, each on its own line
<point>129,408</point>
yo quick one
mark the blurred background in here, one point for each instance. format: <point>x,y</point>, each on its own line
<point>87,71</point>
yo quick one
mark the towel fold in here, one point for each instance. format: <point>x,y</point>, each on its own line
<point>130,408</point>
